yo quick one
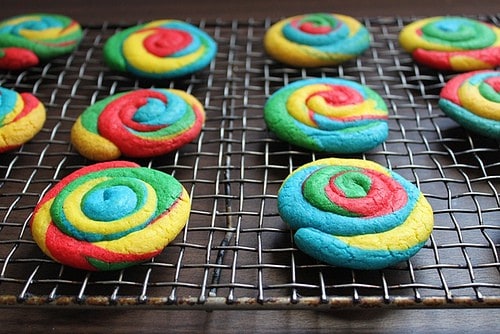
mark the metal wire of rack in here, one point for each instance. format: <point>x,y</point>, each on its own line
<point>235,251</point>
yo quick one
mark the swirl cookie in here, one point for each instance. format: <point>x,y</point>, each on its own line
<point>109,216</point>
<point>314,40</point>
<point>21,117</point>
<point>160,49</point>
<point>329,115</point>
<point>473,100</point>
<point>28,40</point>
<point>354,213</point>
<point>140,124</point>
<point>452,43</point>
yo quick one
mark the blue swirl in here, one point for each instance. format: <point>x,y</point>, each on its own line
<point>8,100</point>
<point>38,23</point>
<point>469,120</point>
<point>330,249</point>
<point>476,79</point>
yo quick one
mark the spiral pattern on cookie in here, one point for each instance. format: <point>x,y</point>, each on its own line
<point>331,115</point>
<point>25,40</point>
<point>160,49</point>
<point>109,216</point>
<point>319,39</point>
<point>452,43</point>
<point>473,100</point>
<point>21,117</point>
<point>354,213</point>
<point>142,123</point>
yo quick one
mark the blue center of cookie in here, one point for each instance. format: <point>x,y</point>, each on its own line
<point>450,25</point>
<point>110,203</point>
<point>156,112</point>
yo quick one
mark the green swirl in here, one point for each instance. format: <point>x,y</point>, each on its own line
<point>459,32</point>
<point>489,92</point>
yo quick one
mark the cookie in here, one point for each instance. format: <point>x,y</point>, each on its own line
<point>452,43</point>
<point>160,49</point>
<point>354,213</point>
<point>328,115</point>
<point>22,116</point>
<point>27,40</point>
<point>140,124</point>
<point>473,100</point>
<point>109,216</point>
<point>313,40</point>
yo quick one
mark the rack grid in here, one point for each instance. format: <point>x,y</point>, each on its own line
<point>235,251</point>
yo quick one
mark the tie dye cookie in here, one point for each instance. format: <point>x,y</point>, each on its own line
<point>354,213</point>
<point>161,49</point>
<point>109,216</point>
<point>473,100</point>
<point>452,43</point>
<point>27,40</point>
<point>314,40</point>
<point>328,115</point>
<point>22,116</point>
<point>139,124</point>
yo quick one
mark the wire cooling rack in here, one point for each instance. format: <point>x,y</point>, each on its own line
<point>235,251</point>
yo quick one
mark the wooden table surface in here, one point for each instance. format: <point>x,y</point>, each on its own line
<point>116,320</point>
<point>97,11</point>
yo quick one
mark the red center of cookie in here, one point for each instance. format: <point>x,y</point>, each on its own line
<point>340,95</point>
<point>312,28</point>
<point>165,42</point>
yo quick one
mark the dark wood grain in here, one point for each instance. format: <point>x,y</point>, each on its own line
<point>29,320</point>
<point>97,11</point>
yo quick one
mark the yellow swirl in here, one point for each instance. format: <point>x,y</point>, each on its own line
<point>413,231</point>
<point>472,100</point>
<point>299,108</point>
<point>86,141</point>
<point>18,108</point>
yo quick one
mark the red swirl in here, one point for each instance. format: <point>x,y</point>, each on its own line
<point>30,103</point>
<point>165,42</point>
<point>338,95</point>
<point>442,60</point>
<point>60,243</point>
